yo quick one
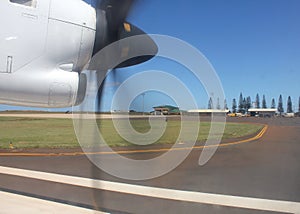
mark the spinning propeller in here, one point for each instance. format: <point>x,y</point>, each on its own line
<point>112,27</point>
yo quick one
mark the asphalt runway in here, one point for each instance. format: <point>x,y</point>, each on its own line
<point>255,177</point>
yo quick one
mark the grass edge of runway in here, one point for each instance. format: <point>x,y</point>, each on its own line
<point>29,133</point>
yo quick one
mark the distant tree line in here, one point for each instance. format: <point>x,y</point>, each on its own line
<point>245,104</point>
<point>218,105</point>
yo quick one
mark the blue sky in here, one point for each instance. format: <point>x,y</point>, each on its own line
<point>254,47</point>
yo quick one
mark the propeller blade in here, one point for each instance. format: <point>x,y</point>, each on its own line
<point>100,91</point>
<point>143,45</point>
<point>133,48</point>
<point>111,14</point>
<point>112,27</point>
<point>116,12</point>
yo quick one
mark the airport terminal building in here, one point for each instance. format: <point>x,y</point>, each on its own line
<point>262,112</point>
<point>166,110</point>
<point>208,112</point>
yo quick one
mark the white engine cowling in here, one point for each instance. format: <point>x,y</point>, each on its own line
<point>43,49</point>
<point>43,89</point>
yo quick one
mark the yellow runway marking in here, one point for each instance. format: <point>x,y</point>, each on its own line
<point>258,136</point>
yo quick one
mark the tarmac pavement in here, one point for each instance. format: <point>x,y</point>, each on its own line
<point>266,170</point>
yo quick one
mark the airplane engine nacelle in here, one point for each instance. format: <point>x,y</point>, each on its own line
<point>53,89</point>
<point>44,46</point>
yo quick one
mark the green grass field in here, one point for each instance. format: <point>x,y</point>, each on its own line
<point>59,133</point>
